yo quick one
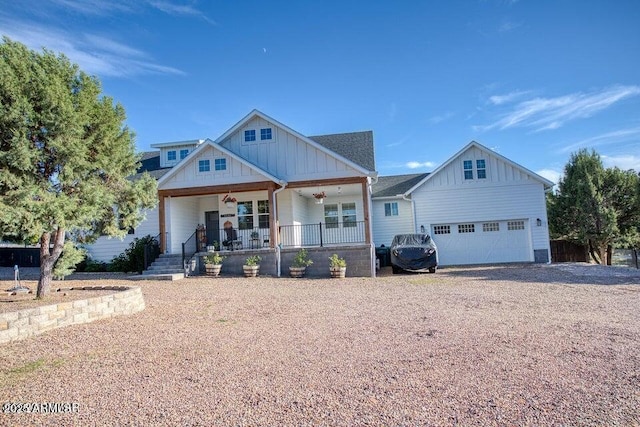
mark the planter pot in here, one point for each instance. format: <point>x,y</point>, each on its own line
<point>297,271</point>
<point>230,204</point>
<point>250,270</point>
<point>338,272</point>
<point>319,201</point>
<point>213,269</point>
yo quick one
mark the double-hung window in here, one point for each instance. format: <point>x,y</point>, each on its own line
<point>391,209</point>
<point>468,169</point>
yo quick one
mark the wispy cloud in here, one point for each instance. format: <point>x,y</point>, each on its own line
<point>95,7</point>
<point>508,26</point>
<point>551,174</point>
<point>440,118</point>
<point>180,9</point>
<point>416,165</point>
<point>551,113</point>
<point>509,97</point>
<point>93,53</point>
<point>620,136</point>
<point>623,161</point>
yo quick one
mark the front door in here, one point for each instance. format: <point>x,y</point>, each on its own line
<point>212,222</point>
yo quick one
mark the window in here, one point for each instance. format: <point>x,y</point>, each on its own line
<point>171,155</point>
<point>220,164</point>
<point>263,213</point>
<point>249,135</point>
<point>391,209</point>
<point>515,225</point>
<point>481,169</point>
<point>468,169</point>
<point>441,229</point>
<point>331,216</point>
<point>490,226</point>
<point>466,228</point>
<point>265,134</point>
<point>348,214</point>
<point>204,165</point>
<point>183,154</point>
<point>245,215</point>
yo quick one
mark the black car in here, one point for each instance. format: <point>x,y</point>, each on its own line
<point>413,252</point>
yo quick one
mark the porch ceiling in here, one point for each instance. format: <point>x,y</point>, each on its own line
<point>330,190</point>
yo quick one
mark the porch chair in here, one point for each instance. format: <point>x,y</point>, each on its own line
<point>231,242</point>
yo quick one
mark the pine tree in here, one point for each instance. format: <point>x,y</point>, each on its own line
<point>65,155</point>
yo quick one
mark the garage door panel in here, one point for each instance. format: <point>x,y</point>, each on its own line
<point>495,242</point>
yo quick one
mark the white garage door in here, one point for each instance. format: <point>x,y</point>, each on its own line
<point>483,242</point>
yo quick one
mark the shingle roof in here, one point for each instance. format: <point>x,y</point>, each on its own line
<point>150,163</point>
<point>388,186</point>
<point>355,146</point>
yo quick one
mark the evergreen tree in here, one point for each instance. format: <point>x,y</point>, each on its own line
<point>65,155</point>
<point>595,206</point>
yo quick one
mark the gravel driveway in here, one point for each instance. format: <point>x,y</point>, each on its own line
<point>505,345</point>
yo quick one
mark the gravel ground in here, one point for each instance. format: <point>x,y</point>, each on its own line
<point>503,345</point>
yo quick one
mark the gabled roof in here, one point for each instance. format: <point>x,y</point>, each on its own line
<point>547,184</point>
<point>231,154</point>
<point>355,146</point>
<point>319,146</point>
<point>177,143</point>
<point>396,185</point>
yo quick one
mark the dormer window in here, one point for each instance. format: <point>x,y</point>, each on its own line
<point>265,134</point>
<point>171,155</point>
<point>183,154</point>
<point>249,135</point>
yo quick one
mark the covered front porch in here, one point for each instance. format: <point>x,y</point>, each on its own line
<point>264,217</point>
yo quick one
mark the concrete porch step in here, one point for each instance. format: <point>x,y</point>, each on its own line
<point>168,276</point>
<point>157,270</point>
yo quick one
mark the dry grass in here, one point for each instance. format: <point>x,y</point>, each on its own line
<point>518,345</point>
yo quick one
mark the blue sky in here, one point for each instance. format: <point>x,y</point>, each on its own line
<point>533,80</point>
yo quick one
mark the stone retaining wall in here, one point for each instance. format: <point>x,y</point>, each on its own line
<point>25,323</point>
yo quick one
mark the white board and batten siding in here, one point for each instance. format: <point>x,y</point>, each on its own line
<point>490,220</point>
<point>189,174</point>
<point>385,227</point>
<point>106,248</point>
<point>286,155</point>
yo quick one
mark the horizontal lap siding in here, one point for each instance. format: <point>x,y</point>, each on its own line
<point>105,248</point>
<point>485,203</point>
<point>385,227</point>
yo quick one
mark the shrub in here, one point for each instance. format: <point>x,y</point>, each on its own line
<point>335,261</point>
<point>253,260</point>
<point>302,259</point>
<point>214,258</point>
<point>132,259</point>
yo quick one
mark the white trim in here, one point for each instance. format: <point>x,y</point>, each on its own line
<point>231,154</point>
<point>177,143</point>
<point>256,113</point>
<point>547,184</point>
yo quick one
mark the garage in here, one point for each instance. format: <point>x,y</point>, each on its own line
<point>483,242</point>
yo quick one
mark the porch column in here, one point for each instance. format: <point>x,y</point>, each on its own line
<point>365,204</point>
<point>162,228</point>
<point>272,222</point>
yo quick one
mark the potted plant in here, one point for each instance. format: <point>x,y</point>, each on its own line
<point>213,264</point>
<point>337,266</point>
<point>229,200</point>
<point>251,266</point>
<point>300,263</point>
<point>319,197</point>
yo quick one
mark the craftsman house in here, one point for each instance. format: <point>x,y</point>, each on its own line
<point>278,189</point>
<point>264,188</point>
